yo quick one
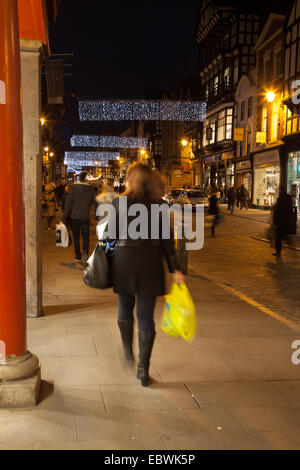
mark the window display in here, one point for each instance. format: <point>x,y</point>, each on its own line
<point>266,185</point>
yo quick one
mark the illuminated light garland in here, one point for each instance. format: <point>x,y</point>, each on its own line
<point>81,163</point>
<point>96,159</point>
<point>118,110</point>
<point>108,141</point>
<point>92,155</point>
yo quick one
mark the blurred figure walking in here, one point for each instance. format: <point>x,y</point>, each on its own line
<point>282,216</point>
<point>78,205</point>
<point>213,210</point>
<point>137,267</point>
<point>244,197</point>
<point>49,204</point>
<point>231,196</point>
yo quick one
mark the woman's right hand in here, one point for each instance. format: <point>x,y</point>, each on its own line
<point>178,277</point>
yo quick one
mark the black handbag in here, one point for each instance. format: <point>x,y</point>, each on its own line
<point>98,273</point>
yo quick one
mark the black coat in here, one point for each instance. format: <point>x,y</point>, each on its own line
<point>213,208</point>
<point>283,211</point>
<point>78,202</point>
<point>137,265</point>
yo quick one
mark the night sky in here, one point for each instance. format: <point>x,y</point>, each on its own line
<point>124,46</point>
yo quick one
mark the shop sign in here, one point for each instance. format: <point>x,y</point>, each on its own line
<point>269,157</point>
<point>178,173</point>
<point>238,134</point>
<point>261,137</point>
<point>244,165</point>
<point>213,158</point>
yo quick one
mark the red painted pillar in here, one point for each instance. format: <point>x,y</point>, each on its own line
<point>12,234</point>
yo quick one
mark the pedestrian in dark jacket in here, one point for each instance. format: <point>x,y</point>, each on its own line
<point>244,197</point>
<point>77,206</point>
<point>137,266</point>
<point>213,210</point>
<point>231,196</point>
<point>282,215</point>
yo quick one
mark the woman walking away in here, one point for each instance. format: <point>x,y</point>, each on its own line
<point>213,211</point>
<point>50,205</point>
<point>137,265</point>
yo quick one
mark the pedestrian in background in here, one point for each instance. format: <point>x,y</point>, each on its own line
<point>49,205</point>
<point>231,196</point>
<point>137,268</point>
<point>78,205</point>
<point>282,216</point>
<point>244,197</point>
<point>213,210</point>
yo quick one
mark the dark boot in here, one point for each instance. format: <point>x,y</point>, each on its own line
<point>146,340</point>
<point>126,330</point>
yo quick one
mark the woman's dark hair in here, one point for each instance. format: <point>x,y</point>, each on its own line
<point>142,181</point>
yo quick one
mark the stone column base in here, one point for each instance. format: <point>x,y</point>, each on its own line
<point>20,379</point>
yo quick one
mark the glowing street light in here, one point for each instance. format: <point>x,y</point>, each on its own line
<point>46,149</point>
<point>270,95</point>
<point>51,154</point>
<point>42,121</point>
<point>142,151</point>
<point>184,142</point>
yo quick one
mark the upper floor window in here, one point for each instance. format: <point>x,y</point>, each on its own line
<point>264,122</point>
<point>250,105</point>
<point>243,106</point>
<point>216,84</point>
<point>235,71</point>
<point>226,77</point>
<point>275,121</point>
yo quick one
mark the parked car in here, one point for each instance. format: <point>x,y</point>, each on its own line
<point>172,196</point>
<point>194,197</point>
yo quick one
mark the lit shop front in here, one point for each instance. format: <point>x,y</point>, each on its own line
<point>266,172</point>
<point>243,175</point>
<point>293,177</point>
<point>219,169</point>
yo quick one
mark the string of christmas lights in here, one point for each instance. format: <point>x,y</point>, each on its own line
<point>126,110</point>
<point>108,141</point>
<point>80,159</point>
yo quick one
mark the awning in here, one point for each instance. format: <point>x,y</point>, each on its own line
<point>31,20</point>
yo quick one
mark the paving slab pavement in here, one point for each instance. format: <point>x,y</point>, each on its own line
<point>233,387</point>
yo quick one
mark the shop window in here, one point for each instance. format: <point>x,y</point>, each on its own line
<point>293,174</point>
<point>266,185</point>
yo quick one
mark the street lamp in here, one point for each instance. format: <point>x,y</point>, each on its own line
<point>51,154</point>
<point>270,95</point>
<point>42,121</point>
<point>46,149</point>
<point>184,142</point>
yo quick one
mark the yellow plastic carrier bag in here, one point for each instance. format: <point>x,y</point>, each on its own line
<point>179,315</point>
